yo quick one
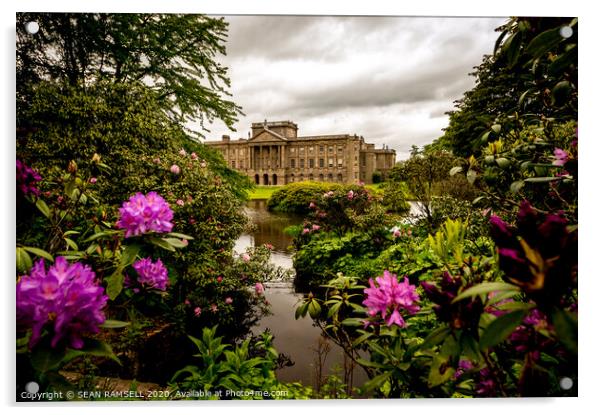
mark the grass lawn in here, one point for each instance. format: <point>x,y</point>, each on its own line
<point>263,192</point>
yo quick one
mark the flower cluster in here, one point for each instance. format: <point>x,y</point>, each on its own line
<point>389,297</point>
<point>526,337</point>
<point>65,298</point>
<point>153,275</point>
<point>27,179</point>
<point>539,254</point>
<point>142,214</point>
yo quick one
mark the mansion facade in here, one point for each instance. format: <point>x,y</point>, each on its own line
<point>274,155</point>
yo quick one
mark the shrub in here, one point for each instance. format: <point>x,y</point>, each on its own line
<point>296,197</point>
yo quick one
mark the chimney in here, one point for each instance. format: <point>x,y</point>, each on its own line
<point>225,137</point>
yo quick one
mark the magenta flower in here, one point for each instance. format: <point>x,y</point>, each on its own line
<point>186,301</point>
<point>175,169</point>
<point>269,246</point>
<point>152,275</point>
<point>197,311</point>
<point>142,214</point>
<point>93,180</point>
<point>389,297</point>
<point>220,278</point>
<point>180,202</point>
<point>228,300</point>
<point>27,179</point>
<point>560,157</point>
<point>350,195</point>
<point>312,205</point>
<point>214,308</point>
<point>246,257</point>
<point>315,227</point>
<point>396,232</point>
<point>66,299</point>
<point>259,288</point>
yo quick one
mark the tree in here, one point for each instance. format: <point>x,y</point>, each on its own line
<point>522,72</point>
<point>174,55</point>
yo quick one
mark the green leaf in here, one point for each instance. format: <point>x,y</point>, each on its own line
<point>92,347</point>
<point>43,207</point>
<point>561,92</point>
<point>436,337</point>
<point>516,186</point>
<point>361,339</point>
<point>376,381</point>
<point>128,256</point>
<point>314,308</point>
<point>542,179</point>
<point>544,42</point>
<point>115,283</point>
<point>440,371</point>
<point>501,328</point>
<point>523,97</point>
<point>24,262</point>
<point>114,324</point>
<point>180,235</point>
<point>45,358</point>
<point>565,324</point>
<point>71,244</point>
<point>161,243</point>
<point>484,288</point>
<point>512,48</point>
<point>455,170</point>
<point>496,128</point>
<point>562,61</point>
<point>176,243</point>
<point>353,322</point>
<point>39,252</point>
<point>503,162</point>
<point>471,176</point>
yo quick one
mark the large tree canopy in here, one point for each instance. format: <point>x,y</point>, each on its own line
<point>175,55</point>
<point>531,65</point>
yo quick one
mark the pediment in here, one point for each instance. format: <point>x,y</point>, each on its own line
<point>267,136</point>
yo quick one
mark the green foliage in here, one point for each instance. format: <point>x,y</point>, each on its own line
<point>176,55</point>
<point>296,197</point>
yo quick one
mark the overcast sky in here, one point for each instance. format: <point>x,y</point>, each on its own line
<point>390,79</point>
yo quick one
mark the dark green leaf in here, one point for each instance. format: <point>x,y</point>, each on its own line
<point>436,337</point>
<point>115,283</point>
<point>39,252</point>
<point>565,324</point>
<point>43,207</point>
<point>516,186</point>
<point>501,328</point>
<point>128,256</point>
<point>114,324</point>
<point>544,42</point>
<point>484,288</point>
<point>24,262</point>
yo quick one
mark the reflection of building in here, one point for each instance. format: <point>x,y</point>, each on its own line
<point>274,154</point>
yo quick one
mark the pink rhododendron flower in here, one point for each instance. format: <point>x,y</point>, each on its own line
<point>259,288</point>
<point>329,194</point>
<point>269,246</point>
<point>305,231</point>
<point>228,300</point>
<point>187,301</point>
<point>203,164</point>
<point>312,205</point>
<point>197,311</point>
<point>315,227</point>
<point>175,169</point>
<point>27,179</point>
<point>350,195</point>
<point>180,202</point>
<point>145,213</point>
<point>560,156</point>
<point>182,152</point>
<point>220,278</point>
<point>389,297</point>
<point>93,180</point>
<point>194,156</point>
<point>153,275</point>
<point>246,257</point>
<point>214,308</point>
<point>66,299</point>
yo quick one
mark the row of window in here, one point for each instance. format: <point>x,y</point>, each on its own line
<point>329,177</point>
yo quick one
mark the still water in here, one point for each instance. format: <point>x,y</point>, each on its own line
<point>298,339</point>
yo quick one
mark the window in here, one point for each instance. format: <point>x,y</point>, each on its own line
<point>340,149</point>
<point>311,163</point>
<point>293,150</point>
<point>330,162</point>
<point>321,163</point>
<point>330,149</point>
<point>292,178</point>
<point>321,177</point>
<point>311,150</point>
<point>241,164</point>
<point>340,163</point>
<point>233,163</point>
<point>329,177</point>
<point>292,163</point>
<point>302,163</point>
<point>241,151</point>
<point>302,151</point>
<point>321,149</point>
<point>339,177</point>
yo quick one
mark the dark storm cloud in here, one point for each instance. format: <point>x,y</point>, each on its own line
<point>389,79</point>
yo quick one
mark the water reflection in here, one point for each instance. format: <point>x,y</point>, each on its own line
<point>299,339</point>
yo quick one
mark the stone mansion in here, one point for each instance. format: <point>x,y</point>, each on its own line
<point>274,155</point>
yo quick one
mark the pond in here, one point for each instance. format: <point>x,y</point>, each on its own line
<point>314,357</point>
